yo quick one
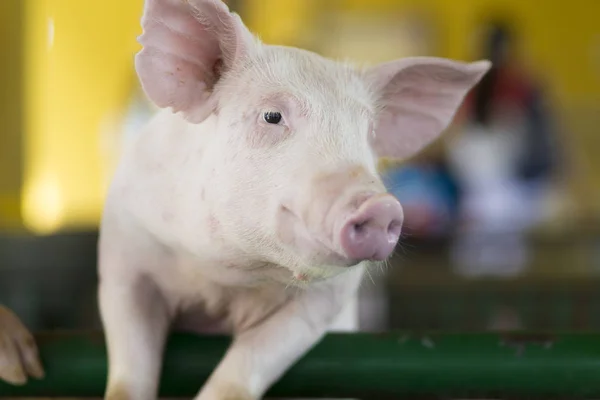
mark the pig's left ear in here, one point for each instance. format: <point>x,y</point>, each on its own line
<point>187,46</point>
<point>418,97</point>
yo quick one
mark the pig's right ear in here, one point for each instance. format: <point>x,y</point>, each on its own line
<point>187,46</point>
<point>419,97</point>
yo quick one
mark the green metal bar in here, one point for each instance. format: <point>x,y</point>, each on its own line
<point>376,366</point>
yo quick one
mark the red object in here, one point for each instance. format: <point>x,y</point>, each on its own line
<point>512,87</point>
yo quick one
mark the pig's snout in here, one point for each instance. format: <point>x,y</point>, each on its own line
<point>373,230</point>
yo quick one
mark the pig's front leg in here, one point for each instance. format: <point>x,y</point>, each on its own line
<point>262,353</point>
<point>136,321</point>
<point>18,352</point>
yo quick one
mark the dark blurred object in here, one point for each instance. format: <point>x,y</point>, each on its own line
<point>50,281</point>
<point>505,159</point>
<point>506,82</point>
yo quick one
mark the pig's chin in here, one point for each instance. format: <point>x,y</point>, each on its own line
<point>301,276</point>
<point>311,254</point>
<point>312,250</point>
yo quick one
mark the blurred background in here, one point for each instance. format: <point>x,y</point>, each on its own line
<point>502,215</point>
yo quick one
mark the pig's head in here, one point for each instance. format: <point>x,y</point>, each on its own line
<point>295,137</point>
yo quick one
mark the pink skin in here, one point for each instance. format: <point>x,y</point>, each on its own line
<point>372,231</point>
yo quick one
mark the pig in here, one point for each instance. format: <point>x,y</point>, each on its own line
<point>19,356</point>
<point>250,203</point>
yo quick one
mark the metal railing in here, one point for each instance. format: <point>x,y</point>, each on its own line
<point>377,366</point>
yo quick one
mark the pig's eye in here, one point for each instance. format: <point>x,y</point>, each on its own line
<point>272,117</point>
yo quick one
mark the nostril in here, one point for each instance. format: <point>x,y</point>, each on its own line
<point>394,229</point>
<point>359,227</point>
<point>359,231</point>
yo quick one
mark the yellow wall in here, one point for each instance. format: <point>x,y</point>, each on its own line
<point>558,36</point>
<point>78,74</point>
<point>10,113</point>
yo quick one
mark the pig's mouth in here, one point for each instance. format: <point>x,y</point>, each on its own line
<point>323,251</point>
